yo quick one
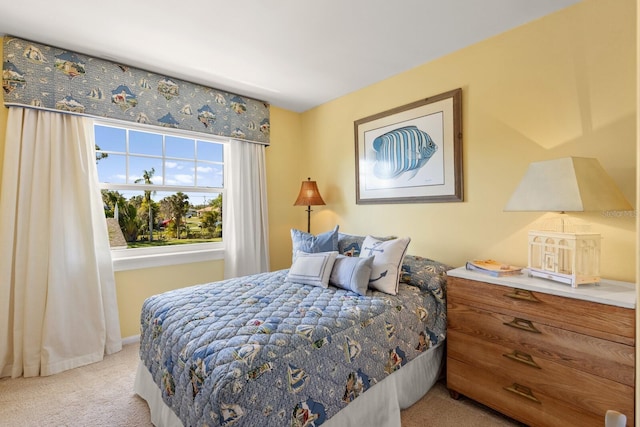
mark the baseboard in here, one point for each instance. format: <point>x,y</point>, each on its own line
<point>131,340</point>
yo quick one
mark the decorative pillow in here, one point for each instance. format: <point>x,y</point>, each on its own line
<point>312,269</point>
<point>306,242</point>
<point>387,262</point>
<point>350,245</point>
<point>352,273</point>
<point>425,273</point>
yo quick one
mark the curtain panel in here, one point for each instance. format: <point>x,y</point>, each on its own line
<point>245,218</point>
<point>58,307</point>
<point>47,77</point>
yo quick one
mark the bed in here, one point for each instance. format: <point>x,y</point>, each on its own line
<point>263,350</point>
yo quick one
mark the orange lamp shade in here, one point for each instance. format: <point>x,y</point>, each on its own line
<point>309,194</point>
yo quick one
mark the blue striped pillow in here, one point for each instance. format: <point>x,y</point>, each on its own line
<point>352,273</point>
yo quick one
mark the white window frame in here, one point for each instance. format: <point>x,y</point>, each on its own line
<point>139,258</point>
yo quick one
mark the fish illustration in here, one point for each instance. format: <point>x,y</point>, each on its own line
<point>406,149</point>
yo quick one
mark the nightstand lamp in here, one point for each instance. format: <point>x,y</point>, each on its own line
<point>571,184</point>
<point>309,196</point>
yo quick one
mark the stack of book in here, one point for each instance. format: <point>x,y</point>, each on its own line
<point>493,268</point>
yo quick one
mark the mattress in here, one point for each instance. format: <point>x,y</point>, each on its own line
<point>261,351</point>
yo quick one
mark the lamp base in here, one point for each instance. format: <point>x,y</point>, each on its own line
<point>571,258</point>
<point>568,279</point>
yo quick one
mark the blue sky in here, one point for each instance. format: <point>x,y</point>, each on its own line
<point>187,161</point>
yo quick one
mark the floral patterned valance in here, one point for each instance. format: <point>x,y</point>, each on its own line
<point>47,77</point>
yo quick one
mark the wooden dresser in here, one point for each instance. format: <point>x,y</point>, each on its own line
<point>540,351</point>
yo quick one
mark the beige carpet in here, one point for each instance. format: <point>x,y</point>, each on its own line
<point>101,395</point>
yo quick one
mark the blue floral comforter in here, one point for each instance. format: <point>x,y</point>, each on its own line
<point>259,351</point>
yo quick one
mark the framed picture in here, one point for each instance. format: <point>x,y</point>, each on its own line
<point>411,154</point>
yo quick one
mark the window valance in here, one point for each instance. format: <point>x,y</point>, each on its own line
<point>42,76</point>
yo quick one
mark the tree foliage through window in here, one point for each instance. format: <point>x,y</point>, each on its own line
<point>162,188</point>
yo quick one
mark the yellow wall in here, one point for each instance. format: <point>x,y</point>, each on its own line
<point>563,85</point>
<point>285,171</point>
<point>134,286</point>
<point>3,118</point>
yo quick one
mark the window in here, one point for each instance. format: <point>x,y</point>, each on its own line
<point>162,191</point>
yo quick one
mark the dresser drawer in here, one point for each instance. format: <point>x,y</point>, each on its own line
<point>593,355</point>
<point>514,365</point>
<point>613,323</point>
<point>515,400</point>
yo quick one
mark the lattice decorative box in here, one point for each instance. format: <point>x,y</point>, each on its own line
<point>571,258</point>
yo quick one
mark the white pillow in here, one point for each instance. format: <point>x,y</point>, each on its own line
<point>351,273</point>
<point>312,268</point>
<point>387,262</point>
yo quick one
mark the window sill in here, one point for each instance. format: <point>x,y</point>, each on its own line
<point>134,259</point>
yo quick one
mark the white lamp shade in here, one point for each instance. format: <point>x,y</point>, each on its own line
<point>570,184</point>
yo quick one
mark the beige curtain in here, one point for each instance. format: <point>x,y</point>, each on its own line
<point>245,220</point>
<point>57,289</point>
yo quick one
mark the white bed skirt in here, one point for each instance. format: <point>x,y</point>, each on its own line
<point>380,406</point>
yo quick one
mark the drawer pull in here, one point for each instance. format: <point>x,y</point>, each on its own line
<point>523,391</point>
<point>521,357</point>
<point>522,294</point>
<point>523,324</point>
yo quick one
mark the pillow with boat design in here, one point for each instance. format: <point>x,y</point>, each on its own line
<point>387,262</point>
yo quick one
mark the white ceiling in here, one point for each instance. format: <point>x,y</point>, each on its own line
<point>295,54</point>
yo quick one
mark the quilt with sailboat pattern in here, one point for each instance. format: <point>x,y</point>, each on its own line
<point>258,350</point>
